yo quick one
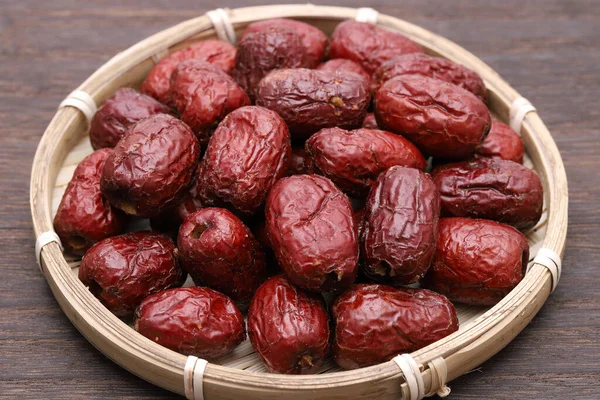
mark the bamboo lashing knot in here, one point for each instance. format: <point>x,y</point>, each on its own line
<point>193,376</point>
<point>222,24</point>
<point>412,375</point>
<point>518,110</point>
<point>41,242</point>
<point>367,14</point>
<point>439,376</point>
<point>81,101</point>
<point>551,260</point>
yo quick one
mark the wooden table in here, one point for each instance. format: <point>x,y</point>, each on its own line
<point>549,50</point>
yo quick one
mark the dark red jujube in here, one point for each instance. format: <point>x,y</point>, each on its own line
<point>288,327</point>
<point>374,323</point>
<point>84,216</point>
<point>502,142</point>
<point>193,321</point>
<point>123,270</point>
<point>477,261</point>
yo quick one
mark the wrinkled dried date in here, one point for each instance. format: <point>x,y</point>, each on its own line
<point>374,323</point>
<point>309,100</point>
<point>118,113</point>
<point>400,226</point>
<point>151,167</point>
<point>370,122</point>
<point>247,153</point>
<point>502,142</point>
<point>354,159</point>
<point>288,327</point>
<point>344,66</point>
<point>84,217</point>
<point>314,40</point>
<point>442,119</point>
<point>477,261</point>
<point>219,251</point>
<point>203,95</point>
<point>193,321</point>
<point>312,232</point>
<point>500,190</point>
<point>217,52</point>
<point>264,51</point>
<point>123,270</point>
<point>433,67</point>
<point>368,45</point>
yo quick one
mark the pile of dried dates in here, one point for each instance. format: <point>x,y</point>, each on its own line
<point>292,166</point>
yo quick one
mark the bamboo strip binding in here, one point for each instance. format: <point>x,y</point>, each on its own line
<point>475,342</point>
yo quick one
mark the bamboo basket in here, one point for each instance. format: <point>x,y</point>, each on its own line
<point>483,331</point>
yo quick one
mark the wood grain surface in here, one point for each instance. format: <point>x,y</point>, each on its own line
<point>549,50</point>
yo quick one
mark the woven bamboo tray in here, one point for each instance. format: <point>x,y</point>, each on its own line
<point>483,331</point>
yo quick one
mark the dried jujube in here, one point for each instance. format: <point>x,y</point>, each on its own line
<point>500,190</point>
<point>247,154</point>
<point>219,251</point>
<point>123,270</point>
<point>441,119</point>
<point>313,39</point>
<point>193,321</point>
<point>477,261</point>
<point>368,45</point>
<point>288,327</point>
<point>309,100</point>
<point>203,95</point>
<point>216,52</point>
<point>342,65</point>
<point>84,216</point>
<point>126,107</point>
<point>266,50</point>
<point>400,226</point>
<point>502,142</point>
<point>374,323</point>
<point>151,167</point>
<point>312,232</point>
<point>354,159</point>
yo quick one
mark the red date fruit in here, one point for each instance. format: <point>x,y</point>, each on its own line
<point>123,270</point>
<point>299,162</point>
<point>314,40</point>
<point>219,251</point>
<point>312,232</point>
<point>194,321</point>
<point>344,66</point>
<point>151,167</point>
<point>354,159</point>
<point>433,67</point>
<point>288,327</point>
<point>374,323</point>
<point>370,122</point>
<point>502,142</point>
<point>248,152</point>
<point>368,45</point>
<point>500,190</point>
<point>442,119</point>
<point>118,113</point>
<point>217,52</point>
<point>477,261</point>
<point>400,226</point>
<point>309,100</point>
<point>84,217</point>
<point>262,52</point>
<point>203,95</point>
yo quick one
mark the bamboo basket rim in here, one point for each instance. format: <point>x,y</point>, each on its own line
<point>165,367</point>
